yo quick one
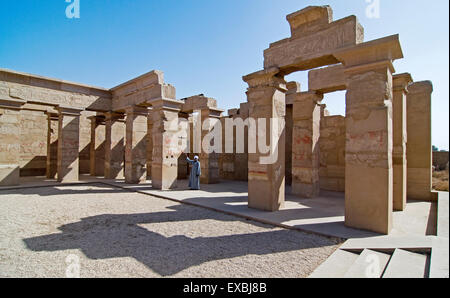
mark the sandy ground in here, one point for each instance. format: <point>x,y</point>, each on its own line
<point>109,232</point>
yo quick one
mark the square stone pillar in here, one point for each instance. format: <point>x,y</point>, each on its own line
<point>149,144</point>
<point>114,146</point>
<point>10,142</point>
<point>369,133</point>
<point>136,145</point>
<point>209,161</point>
<point>305,139</point>
<point>97,146</point>
<point>401,83</point>
<point>266,175</point>
<point>165,143</point>
<point>68,144</point>
<point>52,146</point>
<point>419,147</point>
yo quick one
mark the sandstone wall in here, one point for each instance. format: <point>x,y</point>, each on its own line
<point>36,89</point>
<point>33,143</point>
<point>332,153</point>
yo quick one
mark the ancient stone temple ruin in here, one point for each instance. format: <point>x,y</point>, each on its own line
<point>379,154</point>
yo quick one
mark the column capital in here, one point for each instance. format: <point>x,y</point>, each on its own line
<point>401,82</point>
<point>114,116</point>
<point>63,110</point>
<point>293,87</point>
<point>266,78</point>
<point>138,110</point>
<point>314,96</point>
<point>97,119</point>
<point>214,112</point>
<point>421,87</point>
<point>166,104</point>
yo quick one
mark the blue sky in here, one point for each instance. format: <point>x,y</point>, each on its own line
<point>206,46</point>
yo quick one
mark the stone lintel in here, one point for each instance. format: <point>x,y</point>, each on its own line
<point>313,44</point>
<point>328,79</point>
<point>353,70</point>
<point>12,104</point>
<point>309,18</point>
<point>387,48</point>
<point>314,96</point>
<point>154,77</point>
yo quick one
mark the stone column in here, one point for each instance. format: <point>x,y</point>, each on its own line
<point>209,161</point>
<point>401,83</point>
<point>97,146</point>
<point>10,142</point>
<point>369,133</point>
<point>368,170</point>
<point>68,144</point>
<point>305,149</point>
<point>241,159</point>
<point>52,146</point>
<point>165,143</point>
<point>149,144</point>
<point>267,97</point>
<point>114,146</point>
<point>136,145</point>
<point>419,147</point>
<point>183,138</point>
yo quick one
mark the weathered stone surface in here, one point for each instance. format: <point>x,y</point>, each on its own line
<point>36,89</point>
<point>305,144</point>
<point>328,79</point>
<point>165,144</point>
<point>136,145</point>
<point>400,87</point>
<point>33,142</point>
<point>314,39</point>
<point>68,144</point>
<point>114,146</point>
<point>10,142</point>
<point>209,161</point>
<point>419,146</point>
<point>198,102</point>
<point>141,91</point>
<point>332,152</point>
<point>369,145</point>
<point>369,175</point>
<point>266,185</point>
<point>52,146</point>
<point>97,146</point>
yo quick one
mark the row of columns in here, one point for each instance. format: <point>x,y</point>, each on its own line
<point>134,145</point>
<point>376,148</point>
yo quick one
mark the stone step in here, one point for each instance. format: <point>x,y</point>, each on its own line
<point>443,214</point>
<point>439,261</point>
<point>369,264</point>
<point>405,264</point>
<point>336,265</point>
